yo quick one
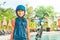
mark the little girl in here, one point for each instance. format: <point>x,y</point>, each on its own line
<point>20,26</point>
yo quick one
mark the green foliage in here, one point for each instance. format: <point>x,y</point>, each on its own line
<point>44,11</point>
<point>40,11</point>
<point>32,25</point>
<point>50,12</point>
<point>54,25</point>
<point>45,25</point>
<point>8,13</point>
<point>1,14</point>
<point>29,11</point>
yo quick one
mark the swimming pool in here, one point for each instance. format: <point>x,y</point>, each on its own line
<point>55,35</point>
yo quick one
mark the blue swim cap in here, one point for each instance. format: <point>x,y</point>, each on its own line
<point>20,7</point>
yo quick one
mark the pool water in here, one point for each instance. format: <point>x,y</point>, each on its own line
<point>48,36</point>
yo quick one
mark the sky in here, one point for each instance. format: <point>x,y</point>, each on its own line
<point>34,3</point>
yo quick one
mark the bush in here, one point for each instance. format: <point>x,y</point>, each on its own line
<point>54,25</point>
<point>32,25</point>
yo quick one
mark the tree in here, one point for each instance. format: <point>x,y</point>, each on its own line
<point>1,13</point>
<point>9,13</point>
<point>29,11</point>
<point>40,11</point>
<point>45,12</point>
<point>50,12</point>
<point>50,16</point>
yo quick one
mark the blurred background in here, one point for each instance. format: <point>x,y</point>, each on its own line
<point>36,10</point>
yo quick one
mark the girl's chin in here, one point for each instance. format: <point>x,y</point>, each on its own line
<point>20,16</point>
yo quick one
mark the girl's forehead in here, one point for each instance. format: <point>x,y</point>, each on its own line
<point>20,10</point>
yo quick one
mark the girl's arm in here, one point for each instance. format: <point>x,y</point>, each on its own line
<point>28,30</point>
<point>13,24</point>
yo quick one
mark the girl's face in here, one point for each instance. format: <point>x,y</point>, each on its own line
<point>20,13</point>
